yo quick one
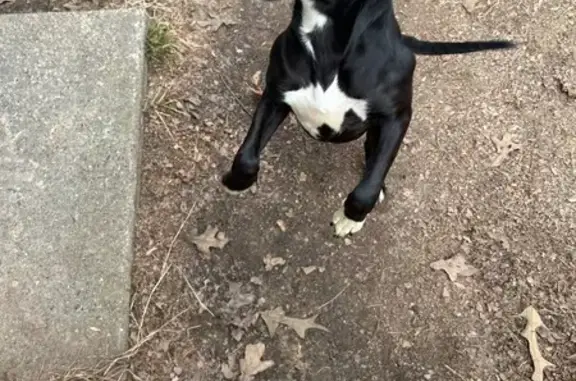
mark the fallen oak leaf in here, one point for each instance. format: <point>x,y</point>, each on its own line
<point>454,266</point>
<point>301,325</point>
<point>533,322</point>
<point>470,5</point>
<point>273,318</point>
<point>252,363</point>
<point>215,23</point>
<point>211,238</point>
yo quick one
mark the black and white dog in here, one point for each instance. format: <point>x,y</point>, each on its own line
<point>344,69</point>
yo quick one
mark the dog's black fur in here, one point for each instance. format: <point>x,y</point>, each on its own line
<point>361,43</point>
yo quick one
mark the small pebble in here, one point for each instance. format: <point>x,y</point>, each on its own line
<point>281,225</point>
<point>406,344</point>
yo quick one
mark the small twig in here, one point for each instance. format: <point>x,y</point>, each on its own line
<point>165,268</point>
<point>236,98</point>
<point>454,372</point>
<point>164,124</point>
<point>134,349</point>
<point>334,298</point>
<point>533,322</point>
<point>173,242</point>
<point>202,305</point>
<point>156,285</point>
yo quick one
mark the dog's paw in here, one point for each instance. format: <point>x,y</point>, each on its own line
<point>343,225</point>
<point>236,193</point>
<point>235,186</point>
<point>381,196</point>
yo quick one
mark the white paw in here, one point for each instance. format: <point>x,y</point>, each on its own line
<point>381,197</point>
<point>343,225</point>
<point>236,193</point>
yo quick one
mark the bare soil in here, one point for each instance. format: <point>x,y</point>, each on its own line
<point>390,315</point>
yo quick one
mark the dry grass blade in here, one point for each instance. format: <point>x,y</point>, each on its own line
<point>236,98</point>
<point>165,269</point>
<point>333,299</point>
<point>202,305</point>
<point>117,368</point>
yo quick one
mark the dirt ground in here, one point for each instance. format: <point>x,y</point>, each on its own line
<point>487,171</point>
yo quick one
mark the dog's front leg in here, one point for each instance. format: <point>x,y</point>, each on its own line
<point>270,112</point>
<point>383,140</point>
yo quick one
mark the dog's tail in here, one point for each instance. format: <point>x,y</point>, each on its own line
<point>433,48</point>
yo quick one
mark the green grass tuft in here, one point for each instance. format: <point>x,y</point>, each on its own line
<point>160,42</point>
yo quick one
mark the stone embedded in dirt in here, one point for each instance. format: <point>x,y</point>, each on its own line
<point>211,238</point>
<point>252,363</point>
<point>256,280</point>
<point>273,318</point>
<point>271,262</point>
<point>454,267</point>
<point>281,225</point>
<point>406,344</point>
<point>309,269</point>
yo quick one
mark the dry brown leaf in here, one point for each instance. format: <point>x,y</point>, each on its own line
<point>469,5</point>
<point>256,78</point>
<point>211,238</point>
<point>504,147</point>
<point>271,262</point>
<point>246,322</point>
<point>454,266</point>
<point>252,363</point>
<point>273,318</point>
<point>227,372</point>
<point>256,83</point>
<point>215,23</point>
<point>72,6</point>
<point>533,321</point>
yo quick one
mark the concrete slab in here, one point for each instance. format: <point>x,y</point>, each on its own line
<point>71,90</point>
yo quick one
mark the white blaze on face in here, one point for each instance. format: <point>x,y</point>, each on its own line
<point>314,106</point>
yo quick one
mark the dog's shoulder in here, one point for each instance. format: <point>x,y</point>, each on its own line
<point>290,64</point>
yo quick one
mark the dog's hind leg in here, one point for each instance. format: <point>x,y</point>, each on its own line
<point>383,140</point>
<point>269,114</point>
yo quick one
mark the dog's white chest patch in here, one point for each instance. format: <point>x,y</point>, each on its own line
<point>314,107</point>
